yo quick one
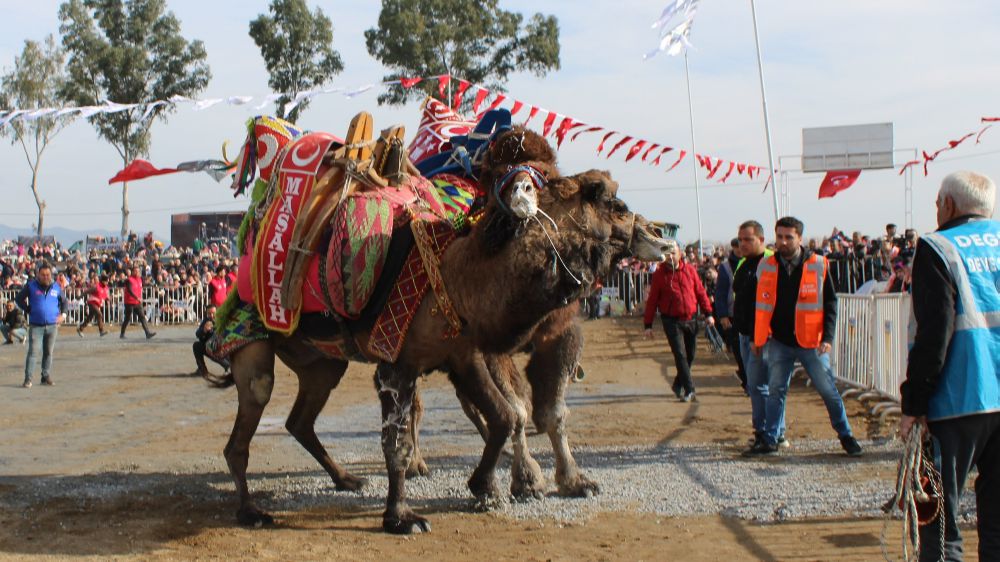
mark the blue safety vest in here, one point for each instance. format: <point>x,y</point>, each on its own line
<point>970,379</point>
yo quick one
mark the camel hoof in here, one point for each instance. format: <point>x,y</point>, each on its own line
<point>406,524</point>
<point>253,517</point>
<point>579,487</point>
<point>528,487</point>
<point>417,468</point>
<point>350,483</point>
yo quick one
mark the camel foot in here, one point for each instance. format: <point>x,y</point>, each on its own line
<point>253,517</point>
<point>487,494</point>
<point>350,483</point>
<point>417,468</point>
<point>578,486</point>
<point>528,482</point>
<point>404,521</point>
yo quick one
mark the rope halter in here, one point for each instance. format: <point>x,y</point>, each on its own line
<point>534,175</point>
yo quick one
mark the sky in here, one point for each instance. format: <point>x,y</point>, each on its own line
<point>929,67</point>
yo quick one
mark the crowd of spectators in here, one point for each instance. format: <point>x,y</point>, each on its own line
<point>167,270</point>
<point>858,264</point>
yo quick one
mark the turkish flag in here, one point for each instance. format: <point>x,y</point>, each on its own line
<point>139,169</point>
<point>837,181</point>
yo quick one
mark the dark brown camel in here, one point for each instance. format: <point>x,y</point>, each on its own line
<point>521,287</point>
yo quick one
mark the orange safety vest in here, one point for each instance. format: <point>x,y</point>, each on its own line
<point>808,307</point>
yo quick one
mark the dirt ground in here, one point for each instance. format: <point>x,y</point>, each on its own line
<point>130,408</point>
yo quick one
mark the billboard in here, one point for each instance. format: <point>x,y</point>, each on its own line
<point>848,147</point>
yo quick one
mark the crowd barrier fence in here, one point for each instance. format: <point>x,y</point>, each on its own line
<point>162,305</point>
<point>870,350</point>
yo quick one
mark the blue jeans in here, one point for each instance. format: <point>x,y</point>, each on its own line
<point>46,336</point>
<point>757,379</point>
<point>10,334</point>
<point>780,360</point>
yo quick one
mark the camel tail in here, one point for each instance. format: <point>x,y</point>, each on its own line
<point>225,381</point>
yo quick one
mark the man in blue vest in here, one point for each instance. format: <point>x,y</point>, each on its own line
<point>953,378</point>
<point>44,302</point>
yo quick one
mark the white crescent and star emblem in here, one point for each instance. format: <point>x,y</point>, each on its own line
<point>303,161</point>
<point>837,181</point>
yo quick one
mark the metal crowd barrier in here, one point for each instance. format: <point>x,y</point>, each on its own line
<point>870,350</point>
<point>847,274</point>
<point>162,306</point>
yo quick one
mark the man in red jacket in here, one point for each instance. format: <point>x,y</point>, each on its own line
<point>133,302</point>
<point>676,291</point>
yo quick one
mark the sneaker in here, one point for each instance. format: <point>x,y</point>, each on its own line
<point>851,446</point>
<point>678,391</point>
<point>27,384</point>
<point>150,335</point>
<point>79,332</point>
<point>761,449</point>
<point>8,343</point>
<point>104,333</point>
<point>121,336</point>
<point>48,382</point>
<point>784,443</point>
<point>690,397</point>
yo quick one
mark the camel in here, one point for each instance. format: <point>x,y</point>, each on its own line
<point>524,281</point>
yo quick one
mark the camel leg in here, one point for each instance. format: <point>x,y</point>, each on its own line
<point>527,480</point>
<point>316,380</point>
<point>396,387</point>
<point>549,371</point>
<point>417,465</point>
<point>253,371</point>
<point>471,378</point>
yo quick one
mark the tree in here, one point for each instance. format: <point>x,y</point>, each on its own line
<point>296,46</point>
<point>128,52</point>
<point>471,39</point>
<point>38,77</point>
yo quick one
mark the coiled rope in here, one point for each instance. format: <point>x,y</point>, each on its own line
<point>915,474</point>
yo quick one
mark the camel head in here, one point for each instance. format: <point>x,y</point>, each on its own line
<point>621,233</point>
<point>515,168</point>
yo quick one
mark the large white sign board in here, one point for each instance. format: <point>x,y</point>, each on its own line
<point>850,147</point>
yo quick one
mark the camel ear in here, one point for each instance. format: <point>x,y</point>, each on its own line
<point>596,190</point>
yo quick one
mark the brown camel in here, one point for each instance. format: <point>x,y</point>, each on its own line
<point>523,282</point>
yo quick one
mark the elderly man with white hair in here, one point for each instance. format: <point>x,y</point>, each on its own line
<point>953,379</point>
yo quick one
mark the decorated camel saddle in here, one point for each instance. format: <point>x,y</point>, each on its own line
<point>320,230</point>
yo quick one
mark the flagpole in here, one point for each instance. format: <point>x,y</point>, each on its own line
<point>767,124</point>
<point>694,161</point>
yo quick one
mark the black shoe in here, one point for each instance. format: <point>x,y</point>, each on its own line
<point>150,335</point>
<point>79,332</point>
<point>678,391</point>
<point>48,382</point>
<point>104,333</point>
<point>760,449</point>
<point>851,446</point>
<point>121,336</point>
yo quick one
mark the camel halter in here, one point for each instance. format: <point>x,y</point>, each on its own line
<point>536,177</point>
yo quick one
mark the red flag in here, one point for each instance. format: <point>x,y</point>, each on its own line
<point>587,130</point>
<point>751,170</point>
<point>635,149</point>
<point>991,119</point>
<point>732,165</point>
<point>564,127</point>
<point>651,148</point>
<point>443,84</point>
<point>531,115</point>
<point>480,98</point>
<point>740,168</point>
<point>907,165</point>
<point>665,150</point>
<point>496,103</point>
<point>619,145</point>
<point>139,169</point>
<point>600,147</point>
<point>837,181</point>
<point>980,135</point>
<point>463,85</point>
<point>680,157</point>
<point>700,159</point>
<point>714,168</point>
<point>549,121</point>
<point>517,107</point>
<point>408,83</point>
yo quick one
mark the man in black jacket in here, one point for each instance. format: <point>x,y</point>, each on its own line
<point>205,331</point>
<point>751,240</point>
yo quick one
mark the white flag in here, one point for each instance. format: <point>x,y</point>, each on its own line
<point>674,8</point>
<point>675,41</point>
<point>270,98</point>
<point>150,107</point>
<point>239,100</point>
<point>205,104</point>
